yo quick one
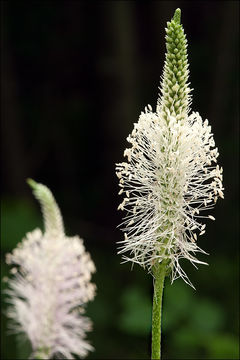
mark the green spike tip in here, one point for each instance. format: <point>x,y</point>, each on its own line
<point>31,183</point>
<point>177,16</point>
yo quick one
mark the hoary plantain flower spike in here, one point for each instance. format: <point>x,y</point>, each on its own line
<point>51,285</point>
<point>171,178</point>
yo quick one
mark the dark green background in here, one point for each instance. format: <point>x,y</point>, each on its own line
<point>76,76</point>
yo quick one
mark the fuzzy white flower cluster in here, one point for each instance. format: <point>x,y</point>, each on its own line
<point>51,286</point>
<point>171,175</point>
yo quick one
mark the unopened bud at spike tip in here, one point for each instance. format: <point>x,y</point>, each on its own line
<point>177,16</point>
<point>175,72</point>
<point>31,183</point>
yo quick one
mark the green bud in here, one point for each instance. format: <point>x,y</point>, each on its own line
<point>177,16</point>
<point>51,213</point>
<point>175,71</point>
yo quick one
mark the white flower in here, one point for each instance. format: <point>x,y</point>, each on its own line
<point>51,286</point>
<point>171,174</point>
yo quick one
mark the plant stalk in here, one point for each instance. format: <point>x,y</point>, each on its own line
<point>159,272</point>
<point>43,353</point>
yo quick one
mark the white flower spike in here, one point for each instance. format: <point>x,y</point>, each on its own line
<point>171,177</point>
<point>50,286</point>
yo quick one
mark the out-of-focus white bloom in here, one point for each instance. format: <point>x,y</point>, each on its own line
<point>171,174</point>
<point>50,286</point>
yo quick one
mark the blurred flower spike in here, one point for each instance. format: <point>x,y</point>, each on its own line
<point>50,286</point>
<point>171,175</point>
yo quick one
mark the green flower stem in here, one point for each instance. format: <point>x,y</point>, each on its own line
<point>43,353</point>
<point>159,272</point>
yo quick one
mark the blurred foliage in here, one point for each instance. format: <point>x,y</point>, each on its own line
<point>135,318</point>
<point>17,218</point>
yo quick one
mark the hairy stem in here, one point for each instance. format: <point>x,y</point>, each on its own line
<point>159,272</point>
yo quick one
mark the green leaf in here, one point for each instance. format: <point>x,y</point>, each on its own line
<point>177,304</point>
<point>18,217</point>
<point>207,316</point>
<point>136,316</point>
<point>224,346</point>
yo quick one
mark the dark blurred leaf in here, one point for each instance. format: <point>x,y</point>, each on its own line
<point>24,348</point>
<point>177,303</point>
<point>224,346</point>
<point>136,316</point>
<point>187,339</point>
<point>18,218</point>
<point>207,316</point>
<point>99,311</point>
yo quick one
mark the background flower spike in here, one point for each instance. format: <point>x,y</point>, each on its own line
<point>50,286</point>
